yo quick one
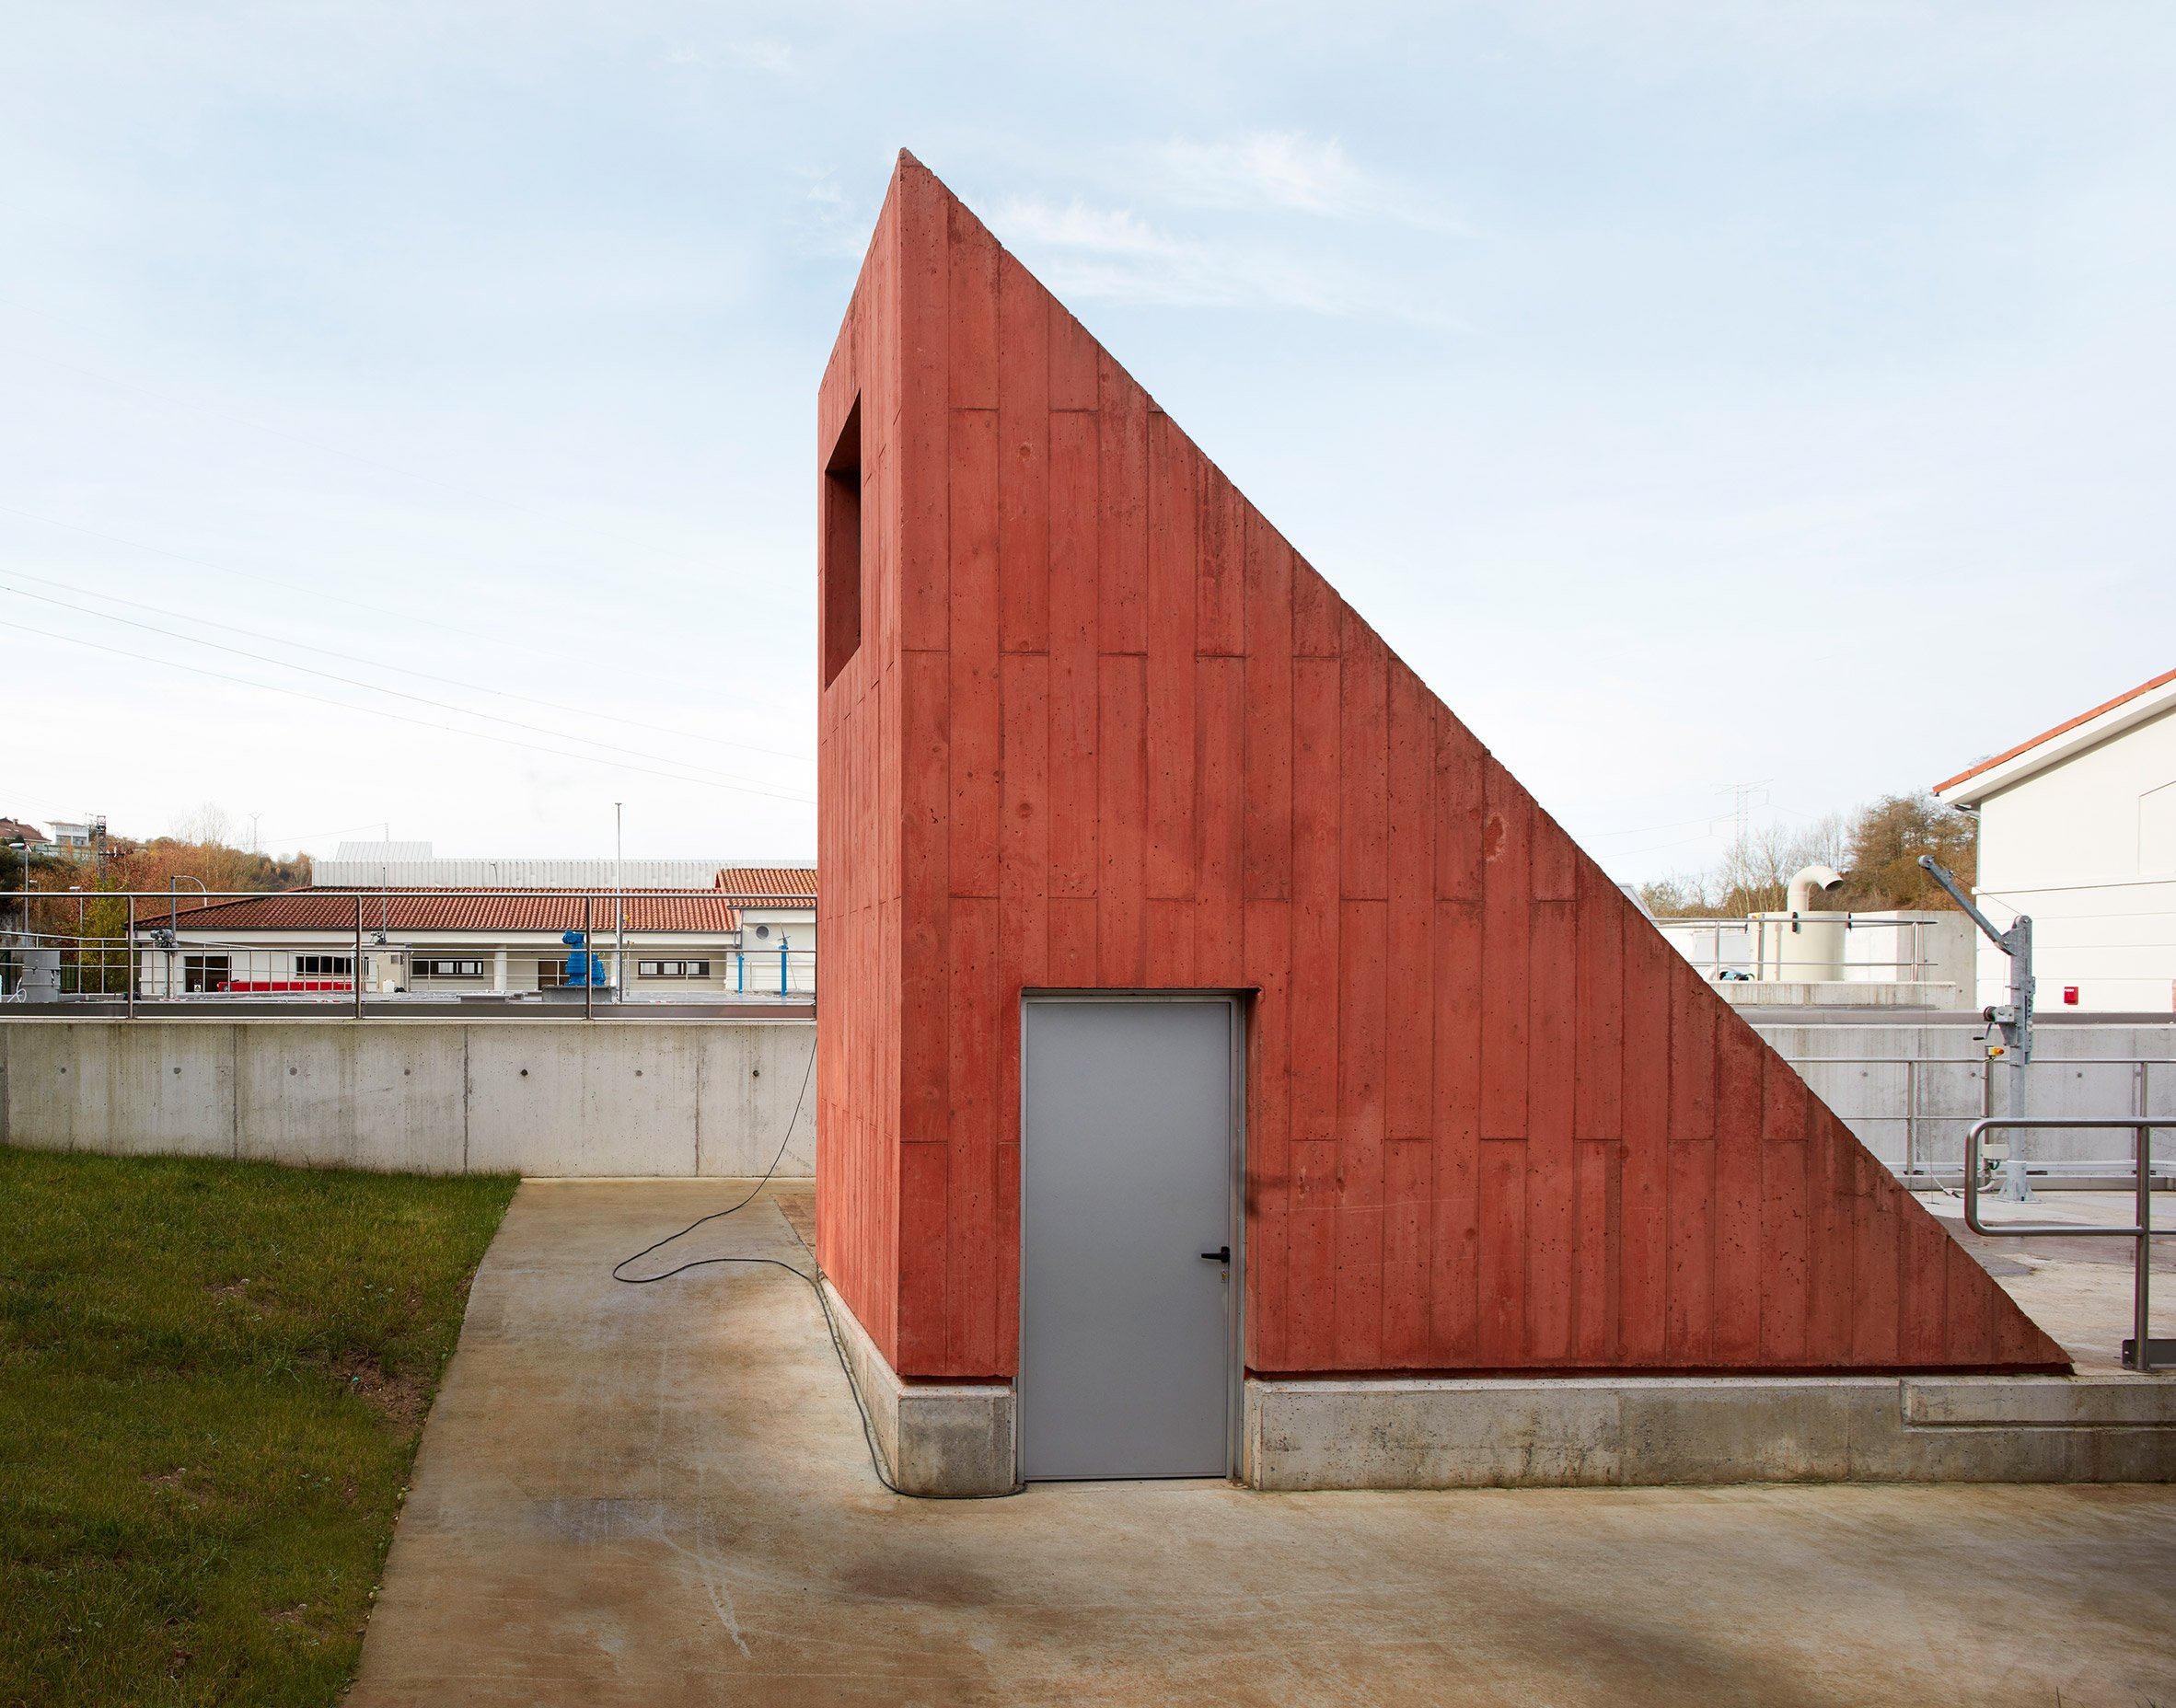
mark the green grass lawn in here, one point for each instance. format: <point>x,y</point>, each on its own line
<point>213,1377</point>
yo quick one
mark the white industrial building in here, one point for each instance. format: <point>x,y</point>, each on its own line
<point>2078,828</point>
<point>413,865</point>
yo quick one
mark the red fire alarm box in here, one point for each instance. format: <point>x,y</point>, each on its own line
<point>2070,995</point>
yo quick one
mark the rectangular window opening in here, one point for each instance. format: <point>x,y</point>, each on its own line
<point>203,972</point>
<point>841,546</point>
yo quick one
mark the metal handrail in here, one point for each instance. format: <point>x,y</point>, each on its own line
<point>134,948</point>
<point>2144,1232</point>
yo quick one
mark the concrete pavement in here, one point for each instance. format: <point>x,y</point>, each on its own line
<point>660,1495</point>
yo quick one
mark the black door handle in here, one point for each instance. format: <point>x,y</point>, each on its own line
<point>1222,1254</point>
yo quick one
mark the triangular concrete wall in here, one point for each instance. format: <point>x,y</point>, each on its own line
<point>1102,727</point>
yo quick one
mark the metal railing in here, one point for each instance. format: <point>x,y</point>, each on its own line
<point>2141,1349</point>
<point>1923,1126</point>
<point>1757,958</point>
<point>378,950</point>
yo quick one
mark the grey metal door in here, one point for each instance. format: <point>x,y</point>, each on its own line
<point>1127,1159</point>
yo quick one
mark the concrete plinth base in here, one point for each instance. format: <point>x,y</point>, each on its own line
<point>940,1438</point>
<point>1757,993</point>
<point>1626,1431</point>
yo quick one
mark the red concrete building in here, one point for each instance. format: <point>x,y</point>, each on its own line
<point>1089,723</point>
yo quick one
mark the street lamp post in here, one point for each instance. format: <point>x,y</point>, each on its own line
<point>23,936</point>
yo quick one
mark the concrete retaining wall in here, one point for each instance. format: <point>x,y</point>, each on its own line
<point>438,1097</point>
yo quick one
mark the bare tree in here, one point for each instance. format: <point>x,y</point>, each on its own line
<point>209,825</point>
<point>1754,875</point>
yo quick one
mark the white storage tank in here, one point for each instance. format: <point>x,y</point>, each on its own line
<point>1800,946</point>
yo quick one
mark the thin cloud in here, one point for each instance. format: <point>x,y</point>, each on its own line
<point>827,224</point>
<point>1287,171</point>
<point>765,53</point>
<point>1116,255</point>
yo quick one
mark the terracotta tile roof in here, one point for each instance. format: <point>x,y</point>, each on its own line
<point>2049,735</point>
<point>787,883</point>
<point>465,910</point>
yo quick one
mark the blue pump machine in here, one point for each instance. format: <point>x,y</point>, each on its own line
<point>584,970</point>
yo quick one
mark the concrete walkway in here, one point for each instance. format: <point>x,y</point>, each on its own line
<point>2080,1289</point>
<point>660,1495</point>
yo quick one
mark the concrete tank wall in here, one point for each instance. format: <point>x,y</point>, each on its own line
<point>1898,1083</point>
<point>438,1097</point>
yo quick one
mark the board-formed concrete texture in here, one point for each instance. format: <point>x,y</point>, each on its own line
<point>1089,722</point>
<point>434,1096</point>
<point>658,1496</point>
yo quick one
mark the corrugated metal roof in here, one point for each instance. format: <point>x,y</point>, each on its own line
<point>463,910</point>
<point>349,870</point>
<point>381,851</point>
<point>788,882</point>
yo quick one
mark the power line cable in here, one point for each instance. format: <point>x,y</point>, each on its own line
<point>298,837</point>
<point>195,409</point>
<point>370,687</point>
<point>249,575</point>
<point>398,717</point>
<point>1648,830</point>
<point>406,670</point>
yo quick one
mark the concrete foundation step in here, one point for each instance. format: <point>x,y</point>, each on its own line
<point>1623,1432</point>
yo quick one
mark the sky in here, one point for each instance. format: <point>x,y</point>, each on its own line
<point>407,411</point>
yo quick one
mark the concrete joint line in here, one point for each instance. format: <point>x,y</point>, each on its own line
<point>2068,1426</point>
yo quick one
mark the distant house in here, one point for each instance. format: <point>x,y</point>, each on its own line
<point>778,914</point>
<point>72,838</point>
<point>660,944</point>
<point>2078,828</point>
<point>76,841</point>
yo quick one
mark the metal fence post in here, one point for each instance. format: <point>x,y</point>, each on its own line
<point>2141,1316</point>
<point>128,1006</point>
<point>356,977</point>
<point>588,960</point>
<point>1911,1117</point>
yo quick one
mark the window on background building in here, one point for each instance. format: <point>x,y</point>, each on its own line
<point>433,966</point>
<point>551,974</point>
<point>203,972</point>
<point>324,966</point>
<point>672,969</point>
